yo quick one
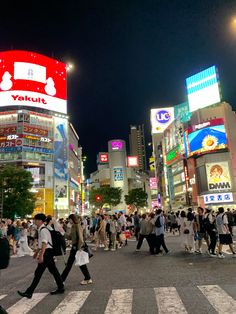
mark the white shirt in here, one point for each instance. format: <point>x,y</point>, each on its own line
<point>221,222</point>
<point>44,237</point>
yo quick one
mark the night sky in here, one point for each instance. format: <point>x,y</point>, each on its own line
<point>129,55</point>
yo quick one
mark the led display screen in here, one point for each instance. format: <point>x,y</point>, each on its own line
<point>218,176</point>
<point>133,161</point>
<point>203,89</point>
<point>206,137</point>
<point>31,79</point>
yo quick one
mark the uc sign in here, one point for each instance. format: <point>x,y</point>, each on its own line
<point>163,116</point>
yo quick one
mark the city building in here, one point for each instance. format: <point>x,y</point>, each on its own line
<point>116,169</point>
<point>35,133</point>
<point>137,145</point>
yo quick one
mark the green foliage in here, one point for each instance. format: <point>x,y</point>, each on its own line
<point>109,195</point>
<point>15,185</point>
<point>136,197</point>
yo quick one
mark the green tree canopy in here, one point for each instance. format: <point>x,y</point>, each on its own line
<point>136,197</point>
<point>108,195</point>
<point>15,185</point>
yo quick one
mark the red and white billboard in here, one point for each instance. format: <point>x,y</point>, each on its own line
<point>33,80</point>
<point>103,158</point>
<point>133,161</point>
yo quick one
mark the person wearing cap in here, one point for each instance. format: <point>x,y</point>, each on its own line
<point>45,258</point>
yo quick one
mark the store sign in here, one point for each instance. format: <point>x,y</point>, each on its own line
<point>173,155</point>
<point>132,161</point>
<point>31,79</point>
<point>8,130</point>
<point>205,137</point>
<point>218,176</point>
<point>118,174</point>
<point>182,112</point>
<point>33,130</point>
<point>11,143</point>
<point>153,183</point>
<point>203,89</point>
<point>116,145</point>
<point>218,198</point>
<point>103,158</point>
<point>161,118</point>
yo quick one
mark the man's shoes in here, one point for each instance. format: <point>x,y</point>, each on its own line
<point>25,294</point>
<point>57,291</point>
<point>86,282</point>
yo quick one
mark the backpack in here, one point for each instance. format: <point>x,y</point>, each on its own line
<point>4,253</point>
<point>58,242</point>
<point>108,227</point>
<point>158,222</point>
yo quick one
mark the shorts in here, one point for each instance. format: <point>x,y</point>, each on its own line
<point>225,239</point>
<point>201,236</point>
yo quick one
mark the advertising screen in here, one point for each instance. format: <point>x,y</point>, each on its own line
<point>161,118</point>
<point>153,183</point>
<point>203,89</point>
<point>31,79</point>
<point>118,174</point>
<point>182,112</point>
<point>61,160</point>
<point>205,137</point>
<point>218,176</point>
<point>133,161</point>
<point>116,145</point>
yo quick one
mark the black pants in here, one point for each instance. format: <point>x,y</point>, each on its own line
<point>69,265</point>
<point>48,262</point>
<point>149,241</point>
<point>160,241</point>
<point>212,246</point>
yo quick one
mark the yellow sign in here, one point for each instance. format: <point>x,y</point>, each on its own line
<point>218,176</point>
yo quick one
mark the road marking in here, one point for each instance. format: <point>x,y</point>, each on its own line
<point>168,301</point>
<point>2,296</point>
<point>25,305</point>
<point>219,299</point>
<point>72,303</point>
<point>120,302</point>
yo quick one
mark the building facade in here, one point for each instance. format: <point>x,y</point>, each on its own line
<point>137,145</point>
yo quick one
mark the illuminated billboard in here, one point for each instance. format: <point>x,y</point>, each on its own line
<point>218,176</point>
<point>103,158</point>
<point>218,198</point>
<point>117,145</point>
<point>133,161</point>
<point>33,80</point>
<point>205,137</point>
<point>203,89</point>
<point>161,118</point>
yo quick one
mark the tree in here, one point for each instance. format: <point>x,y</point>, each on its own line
<point>105,195</point>
<point>136,197</point>
<point>15,185</point>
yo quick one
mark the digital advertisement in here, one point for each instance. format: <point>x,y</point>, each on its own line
<point>34,80</point>
<point>203,89</point>
<point>133,161</point>
<point>205,137</point>
<point>161,118</point>
<point>218,176</point>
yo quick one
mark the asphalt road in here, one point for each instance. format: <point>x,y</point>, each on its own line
<point>126,281</point>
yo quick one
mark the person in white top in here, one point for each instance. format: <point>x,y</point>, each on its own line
<point>24,248</point>
<point>223,231</point>
<point>45,258</point>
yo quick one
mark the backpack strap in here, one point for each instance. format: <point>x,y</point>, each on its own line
<point>49,232</point>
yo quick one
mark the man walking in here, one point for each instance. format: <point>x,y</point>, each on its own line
<point>44,256</point>
<point>160,231</point>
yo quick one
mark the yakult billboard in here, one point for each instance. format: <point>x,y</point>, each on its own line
<point>161,118</point>
<point>32,80</point>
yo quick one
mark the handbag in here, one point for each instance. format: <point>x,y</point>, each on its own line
<point>87,249</point>
<point>186,231</point>
<point>81,258</point>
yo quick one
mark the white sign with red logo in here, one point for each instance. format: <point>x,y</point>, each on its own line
<point>133,161</point>
<point>34,80</point>
<point>103,158</point>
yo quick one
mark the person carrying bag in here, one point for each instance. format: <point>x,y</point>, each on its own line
<point>77,245</point>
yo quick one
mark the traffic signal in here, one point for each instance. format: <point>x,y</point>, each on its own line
<point>98,198</point>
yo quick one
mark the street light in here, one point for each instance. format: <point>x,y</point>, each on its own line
<point>69,67</point>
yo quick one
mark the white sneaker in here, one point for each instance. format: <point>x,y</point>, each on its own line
<point>106,249</point>
<point>220,255</point>
<point>113,249</point>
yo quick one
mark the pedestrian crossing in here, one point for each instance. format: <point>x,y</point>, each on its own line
<point>120,301</point>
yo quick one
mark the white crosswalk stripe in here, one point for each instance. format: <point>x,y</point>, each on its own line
<point>120,302</point>
<point>219,299</point>
<point>72,302</point>
<point>25,305</point>
<point>168,301</point>
<point>3,296</point>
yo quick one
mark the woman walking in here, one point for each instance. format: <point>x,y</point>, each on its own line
<point>77,243</point>
<point>24,248</point>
